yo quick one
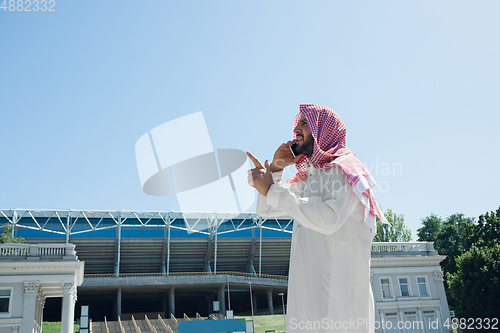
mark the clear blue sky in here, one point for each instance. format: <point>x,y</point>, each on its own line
<point>416,82</point>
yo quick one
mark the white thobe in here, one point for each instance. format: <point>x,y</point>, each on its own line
<point>329,286</point>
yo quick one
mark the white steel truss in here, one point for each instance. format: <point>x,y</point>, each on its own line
<point>74,222</point>
<point>77,222</point>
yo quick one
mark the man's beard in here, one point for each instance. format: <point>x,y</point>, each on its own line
<point>306,147</point>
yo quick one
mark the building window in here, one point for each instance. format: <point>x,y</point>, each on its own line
<point>386,288</point>
<point>4,300</point>
<point>422,287</point>
<point>403,285</point>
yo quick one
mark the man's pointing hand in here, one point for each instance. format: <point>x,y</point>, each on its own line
<point>260,177</point>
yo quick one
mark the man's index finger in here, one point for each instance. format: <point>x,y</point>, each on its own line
<point>254,159</point>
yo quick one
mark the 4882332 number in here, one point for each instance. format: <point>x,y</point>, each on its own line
<point>472,323</point>
<point>28,5</point>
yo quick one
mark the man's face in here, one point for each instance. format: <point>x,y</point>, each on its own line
<point>305,140</point>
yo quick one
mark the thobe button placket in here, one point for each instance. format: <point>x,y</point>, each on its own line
<point>310,172</point>
<point>310,168</point>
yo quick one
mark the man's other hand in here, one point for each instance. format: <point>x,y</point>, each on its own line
<point>260,177</point>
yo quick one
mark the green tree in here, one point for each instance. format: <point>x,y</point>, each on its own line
<point>486,232</point>
<point>398,231</point>
<point>475,286</point>
<point>471,265</point>
<point>6,236</point>
<point>430,227</point>
<point>451,239</point>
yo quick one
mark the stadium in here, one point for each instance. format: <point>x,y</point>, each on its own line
<point>166,262</point>
<point>201,264</point>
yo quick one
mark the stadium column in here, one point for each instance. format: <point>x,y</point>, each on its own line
<point>14,223</point>
<point>164,303</point>
<point>208,256</point>
<point>165,261</point>
<point>168,246</point>
<point>119,303</point>
<point>171,301</point>
<point>118,245</point>
<point>251,254</point>
<point>209,297</point>
<point>164,252</point>
<point>68,229</point>
<point>222,298</point>
<point>270,301</point>
<point>215,254</point>
<point>260,251</point>
<point>254,296</point>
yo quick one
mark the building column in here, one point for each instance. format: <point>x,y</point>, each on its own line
<point>421,317</point>
<point>383,320</point>
<point>401,317</point>
<point>119,303</point>
<point>438,278</point>
<point>440,319</point>
<point>29,307</point>
<point>171,301</point>
<point>40,305</point>
<point>270,301</point>
<point>222,299</point>
<point>68,307</point>
<point>378,319</point>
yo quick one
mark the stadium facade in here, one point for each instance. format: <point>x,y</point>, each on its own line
<point>179,262</point>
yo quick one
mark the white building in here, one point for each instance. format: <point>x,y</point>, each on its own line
<point>30,273</point>
<point>408,288</point>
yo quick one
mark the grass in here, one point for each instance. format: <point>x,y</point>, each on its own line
<point>55,327</point>
<point>262,324</point>
<point>267,323</point>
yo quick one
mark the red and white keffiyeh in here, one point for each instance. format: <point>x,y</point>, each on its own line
<point>330,149</point>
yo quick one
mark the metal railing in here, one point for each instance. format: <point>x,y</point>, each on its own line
<point>250,275</point>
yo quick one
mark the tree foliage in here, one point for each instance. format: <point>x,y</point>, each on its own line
<point>430,227</point>
<point>398,231</point>
<point>472,261</point>
<point>486,232</point>
<point>475,287</point>
<point>451,239</point>
<point>6,236</point>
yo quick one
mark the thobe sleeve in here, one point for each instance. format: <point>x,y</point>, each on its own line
<point>263,208</point>
<point>325,214</point>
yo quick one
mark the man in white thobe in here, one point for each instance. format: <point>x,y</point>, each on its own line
<point>334,212</point>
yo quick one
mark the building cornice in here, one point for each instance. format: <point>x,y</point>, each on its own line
<point>408,303</point>
<point>399,261</point>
